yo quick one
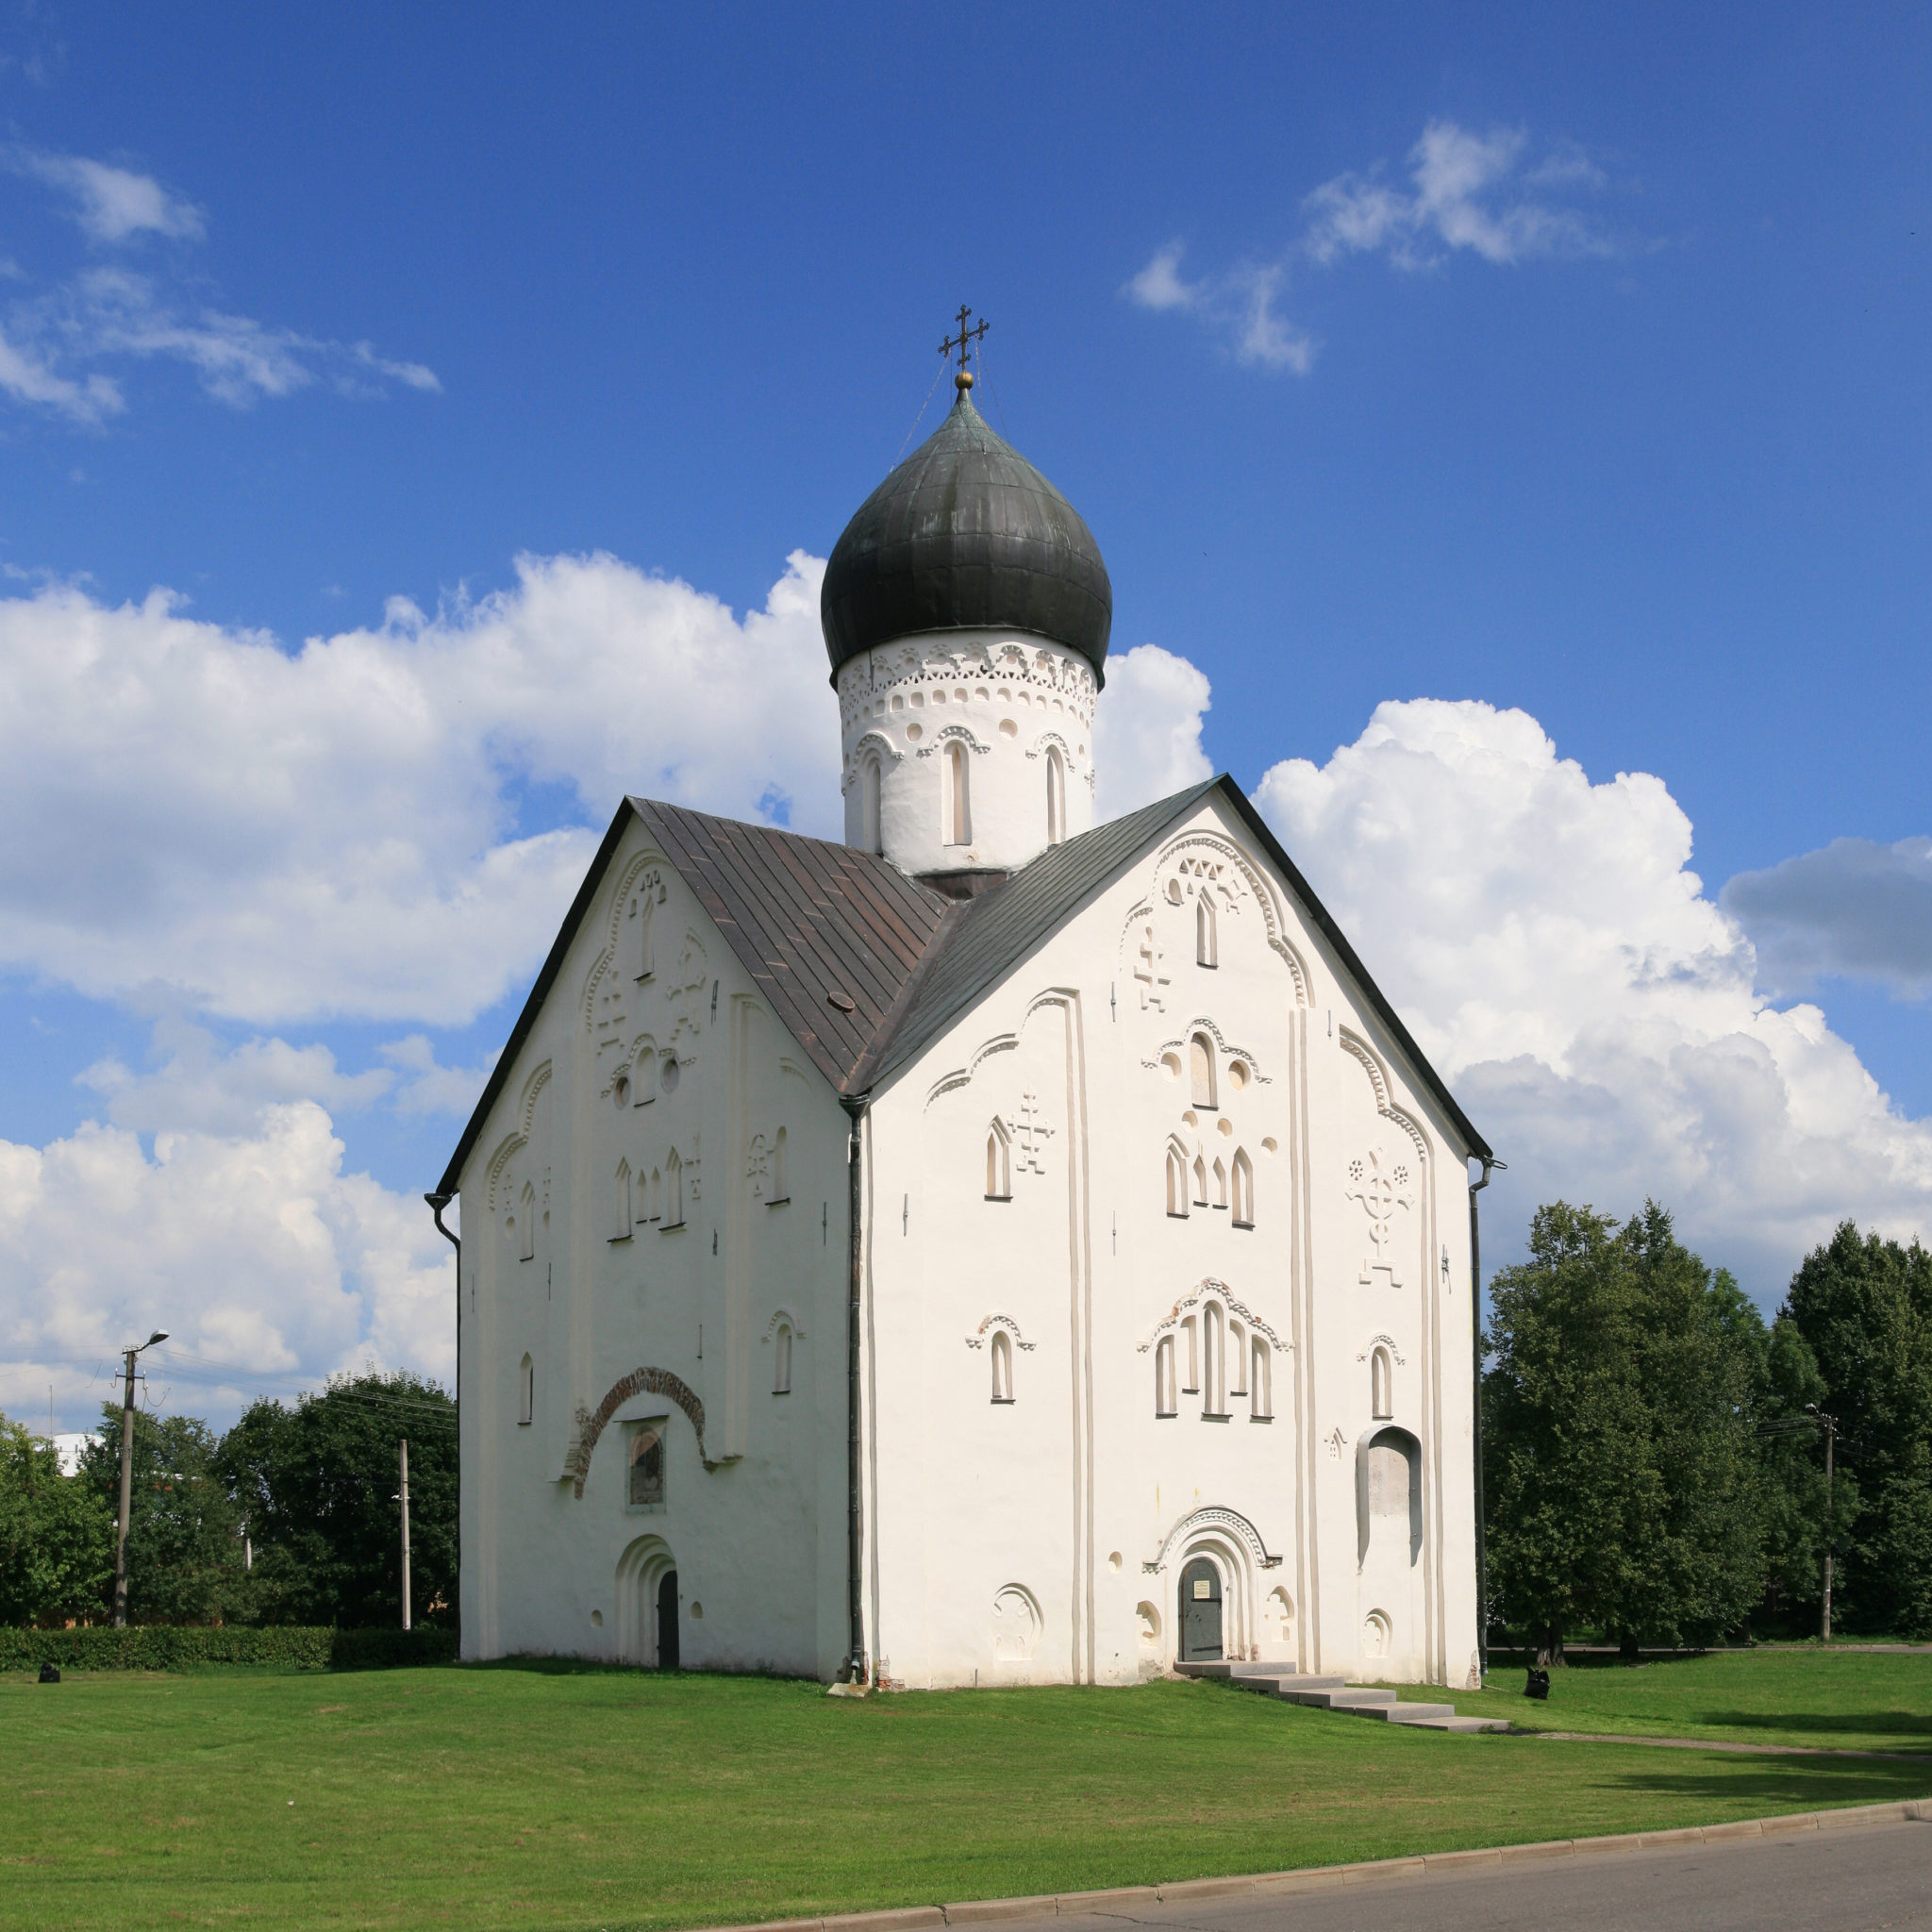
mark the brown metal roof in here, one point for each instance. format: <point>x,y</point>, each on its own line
<point>820,925</point>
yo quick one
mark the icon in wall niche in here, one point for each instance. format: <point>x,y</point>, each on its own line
<point>1382,1187</point>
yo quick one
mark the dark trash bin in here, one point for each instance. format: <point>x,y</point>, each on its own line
<point>50,1673</point>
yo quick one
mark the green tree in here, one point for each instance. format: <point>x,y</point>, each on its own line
<point>317,1484</point>
<point>1863,1304</point>
<point>1624,1487</point>
<point>1791,1455</point>
<point>184,1536</point>
<point>56,1538</point>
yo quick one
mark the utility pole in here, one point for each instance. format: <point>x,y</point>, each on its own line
<point>404,1447</point>
<point>1831,1422</point>
<point>127,1480</point>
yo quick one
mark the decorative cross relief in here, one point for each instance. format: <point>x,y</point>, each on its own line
<point>757,1166</point>
<point>1149,972</point>
<point>1381,1190</point>
<point>1029,1134</point>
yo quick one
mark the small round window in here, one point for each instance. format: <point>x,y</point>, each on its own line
<point>620,1091</point>
<point>668,1075</point>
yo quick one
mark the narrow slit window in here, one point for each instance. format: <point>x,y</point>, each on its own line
<point>621,1203</point>
<point>526,1392</point>
<point>1237,1359</point>
<point>1190,1365</point>
<point>641,965</point>
<point>1177,1183</point>
<point>1220,1185</point>
<point>1260,1383</point>
<point>1207,945</point>
<point>955,806</point>
<point>1002,1366</point>
<point>780,1192</point>
<point>781,1360</point>
<point>1381,1386</point>
<point>1243,1188</point>
<point>529,1239</point>
<point>999,1164</point>
<point>1214,1395</point>
<point>1200,1182</point>
<point>1056,797</point>
<point>869,783</point>
<point>1164,1394</point>
<point>1201,1061</point>
<point>673,1191</point>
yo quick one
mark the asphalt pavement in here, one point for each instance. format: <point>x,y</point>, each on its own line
<point>1853,1879</point>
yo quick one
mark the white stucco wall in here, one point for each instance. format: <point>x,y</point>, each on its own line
<point>1013,702</point>
<point>759,1539</point>
<point>1019,1543</point>
<point>1003,1542</point>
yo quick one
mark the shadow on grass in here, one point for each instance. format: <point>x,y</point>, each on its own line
<point>1902,1727</point>
<point>536,1666</point>
<point>1772,1785</point>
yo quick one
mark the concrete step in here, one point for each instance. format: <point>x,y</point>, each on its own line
<point>1337,1693</point>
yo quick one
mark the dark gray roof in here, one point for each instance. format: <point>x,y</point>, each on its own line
<point>966,535</point>
<point>817,924</point>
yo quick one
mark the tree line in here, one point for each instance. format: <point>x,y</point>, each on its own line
<point>289,1517</point>
<point>1654,1451</point>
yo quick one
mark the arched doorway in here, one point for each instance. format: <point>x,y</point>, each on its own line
<point>666,1621</point>
<point>1200,1618</point>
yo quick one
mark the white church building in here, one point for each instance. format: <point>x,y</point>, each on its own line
<point>998,1249</point>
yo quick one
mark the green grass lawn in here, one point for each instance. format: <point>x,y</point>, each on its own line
<point>1844,1699</point>
<point>525,1797</point>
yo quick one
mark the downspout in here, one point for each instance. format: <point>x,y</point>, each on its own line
<point>437,1204</point>
<point>1475,1325</point>
<point>852,1669</point>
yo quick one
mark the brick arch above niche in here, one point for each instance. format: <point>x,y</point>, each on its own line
<point>591,1423</point>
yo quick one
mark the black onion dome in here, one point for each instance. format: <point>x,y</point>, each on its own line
<point>966,535</point>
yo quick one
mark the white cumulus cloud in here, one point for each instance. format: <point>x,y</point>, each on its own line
<point>279,835</point>
<point>251,1248</point>
<point>1147,730</point>
<point>1595,1010</point>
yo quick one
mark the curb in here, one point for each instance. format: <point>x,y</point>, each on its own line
<point>1072,1905</point>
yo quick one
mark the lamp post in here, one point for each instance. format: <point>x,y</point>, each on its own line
<point>127,1478</point>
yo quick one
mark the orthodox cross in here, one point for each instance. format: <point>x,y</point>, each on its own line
<point>1380,1194</point>
<point>964,341</point>
<point>1031,1132</point>
<point>1149,974</point>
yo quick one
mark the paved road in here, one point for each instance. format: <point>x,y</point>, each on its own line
<point>1848,1880</point>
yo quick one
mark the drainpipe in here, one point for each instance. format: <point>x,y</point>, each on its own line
<point>437,1204</point>
<point>1476,1323</point>
<point>852,1669</point>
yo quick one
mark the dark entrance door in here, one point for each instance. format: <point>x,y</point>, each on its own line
<point>1200,1612</point>
<point>666,1621</point>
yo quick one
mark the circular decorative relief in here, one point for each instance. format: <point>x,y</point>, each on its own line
<point>915,731</point>
<point>1237,1074</point>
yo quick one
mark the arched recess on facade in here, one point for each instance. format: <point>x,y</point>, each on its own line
<point>641,1571</point>
<point>591,1423</point>
<point>1388,1484</point>
<point>1228,1541</point>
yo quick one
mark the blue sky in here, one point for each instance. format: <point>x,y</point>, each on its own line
<point>1571,361</point>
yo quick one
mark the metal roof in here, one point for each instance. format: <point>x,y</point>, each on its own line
<point>966,535</point>
<point>817,925</point>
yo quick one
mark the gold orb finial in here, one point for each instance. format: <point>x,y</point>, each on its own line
<point>963,381</point>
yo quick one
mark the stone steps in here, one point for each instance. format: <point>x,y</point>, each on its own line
<point>1337,1693</point>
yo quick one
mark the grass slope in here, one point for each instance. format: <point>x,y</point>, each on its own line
<point>1840,1699</point>
<point>525,1797</point>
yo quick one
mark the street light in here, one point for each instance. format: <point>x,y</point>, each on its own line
<point>127,1478</point>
